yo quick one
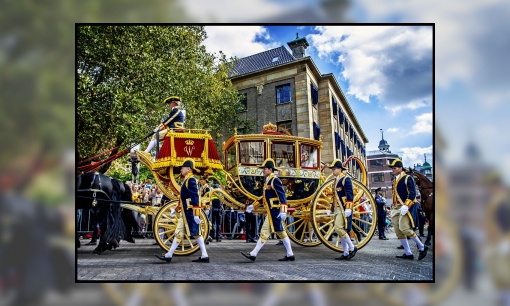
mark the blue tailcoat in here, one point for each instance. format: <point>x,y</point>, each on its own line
<point>406,191</point>
<point>344,189</point>
<point>189,199</point>
<point>274,194</point>
<point>175,119</point>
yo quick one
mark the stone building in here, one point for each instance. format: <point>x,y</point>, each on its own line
<point>288,90</point>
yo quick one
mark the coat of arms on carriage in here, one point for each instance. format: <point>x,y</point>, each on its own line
<point>189,147</point>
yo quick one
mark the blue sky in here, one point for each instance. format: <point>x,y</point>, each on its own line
<point>385,73</point>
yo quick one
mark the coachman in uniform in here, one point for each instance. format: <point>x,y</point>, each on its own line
<point>342,199</point>
<point>174,121</point>
<point>403,210</point>
<point>189,213</point>
<point>275,202</point>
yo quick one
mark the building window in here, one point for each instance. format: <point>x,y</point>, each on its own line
<point>315,94</point>
<point>334,106</point>
<point>377,177</point>
<point>285,127</point>
<point>243,99</point>
<point>275,59</point>
<point>282,94</point>
<point>376,163</point>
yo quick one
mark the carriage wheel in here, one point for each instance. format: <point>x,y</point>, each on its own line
<point>299,228</point>
<point>364,223</point>
<point>448,269</point>
<point>164,230</point>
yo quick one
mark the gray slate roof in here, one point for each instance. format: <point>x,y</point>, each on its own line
<point>261,61</point>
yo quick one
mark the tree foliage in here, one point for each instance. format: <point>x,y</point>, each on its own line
<point>125,72</point>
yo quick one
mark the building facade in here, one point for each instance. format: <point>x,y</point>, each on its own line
<point>288,90</point>
<point>379,174</point>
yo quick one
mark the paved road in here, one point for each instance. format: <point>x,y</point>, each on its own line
<point>136,262</point>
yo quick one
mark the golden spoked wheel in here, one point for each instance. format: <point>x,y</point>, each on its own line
<point>364,220</point>
<point>448,268</point>
<point>164,230</point>
<point>300,229</point>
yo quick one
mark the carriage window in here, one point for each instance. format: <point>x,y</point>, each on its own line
<point>231,157</point>
<point>283,154</point>
<point>309,158</point>
<point>252,152</point>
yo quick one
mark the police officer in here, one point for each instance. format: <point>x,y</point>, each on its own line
<point>275,202</point>
<point>403,209</point>
<point>174,121</point>
<point>216,215</point>
<point>380,201</point>
<point>343,209</point>
<point>189,210</point>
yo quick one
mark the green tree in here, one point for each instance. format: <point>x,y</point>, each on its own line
<point>125,72</point>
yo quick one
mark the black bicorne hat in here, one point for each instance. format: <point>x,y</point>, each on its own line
<point>189,163</point>
<point>396,163</point>
<point>173,99</point>
<point>268,163</point>
<point>337,164</point>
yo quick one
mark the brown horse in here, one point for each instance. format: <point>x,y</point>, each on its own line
<point>426,188</point>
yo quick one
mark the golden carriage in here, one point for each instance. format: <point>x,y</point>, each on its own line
<point>309,192</point>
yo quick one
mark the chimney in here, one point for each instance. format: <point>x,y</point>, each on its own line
<point>298,46</point>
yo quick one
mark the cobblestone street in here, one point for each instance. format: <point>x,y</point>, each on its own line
<point>136,262</point>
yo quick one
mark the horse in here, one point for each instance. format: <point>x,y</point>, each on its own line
<point>426,188</point>
<point>103,189</point>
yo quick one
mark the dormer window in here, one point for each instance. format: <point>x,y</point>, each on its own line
<point>275,59</point>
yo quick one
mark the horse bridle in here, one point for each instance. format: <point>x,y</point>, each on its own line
<point>423,188</point>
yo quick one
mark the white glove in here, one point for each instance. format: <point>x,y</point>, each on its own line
<point>282,216</point>
<point>172,212</point>
<point>348,213</point>
<point>403,210</point>
<point>328,212</point>
<point>250,208</point>
<point>156,129</point>
<point>207,211</point>
<point>197,219</point>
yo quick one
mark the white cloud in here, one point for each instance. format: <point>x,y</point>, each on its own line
<point>414,155</point>
<point>238,41</point>
<point>423,124</point>
<point>411,105</point>
<point>392,130</point>
<point>301,27</point>
<point>393,64</point>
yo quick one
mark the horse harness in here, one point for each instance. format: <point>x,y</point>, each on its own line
<point>420,188</point>
<point>94,195</point>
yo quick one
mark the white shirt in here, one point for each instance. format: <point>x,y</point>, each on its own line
<point>396,177</point>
